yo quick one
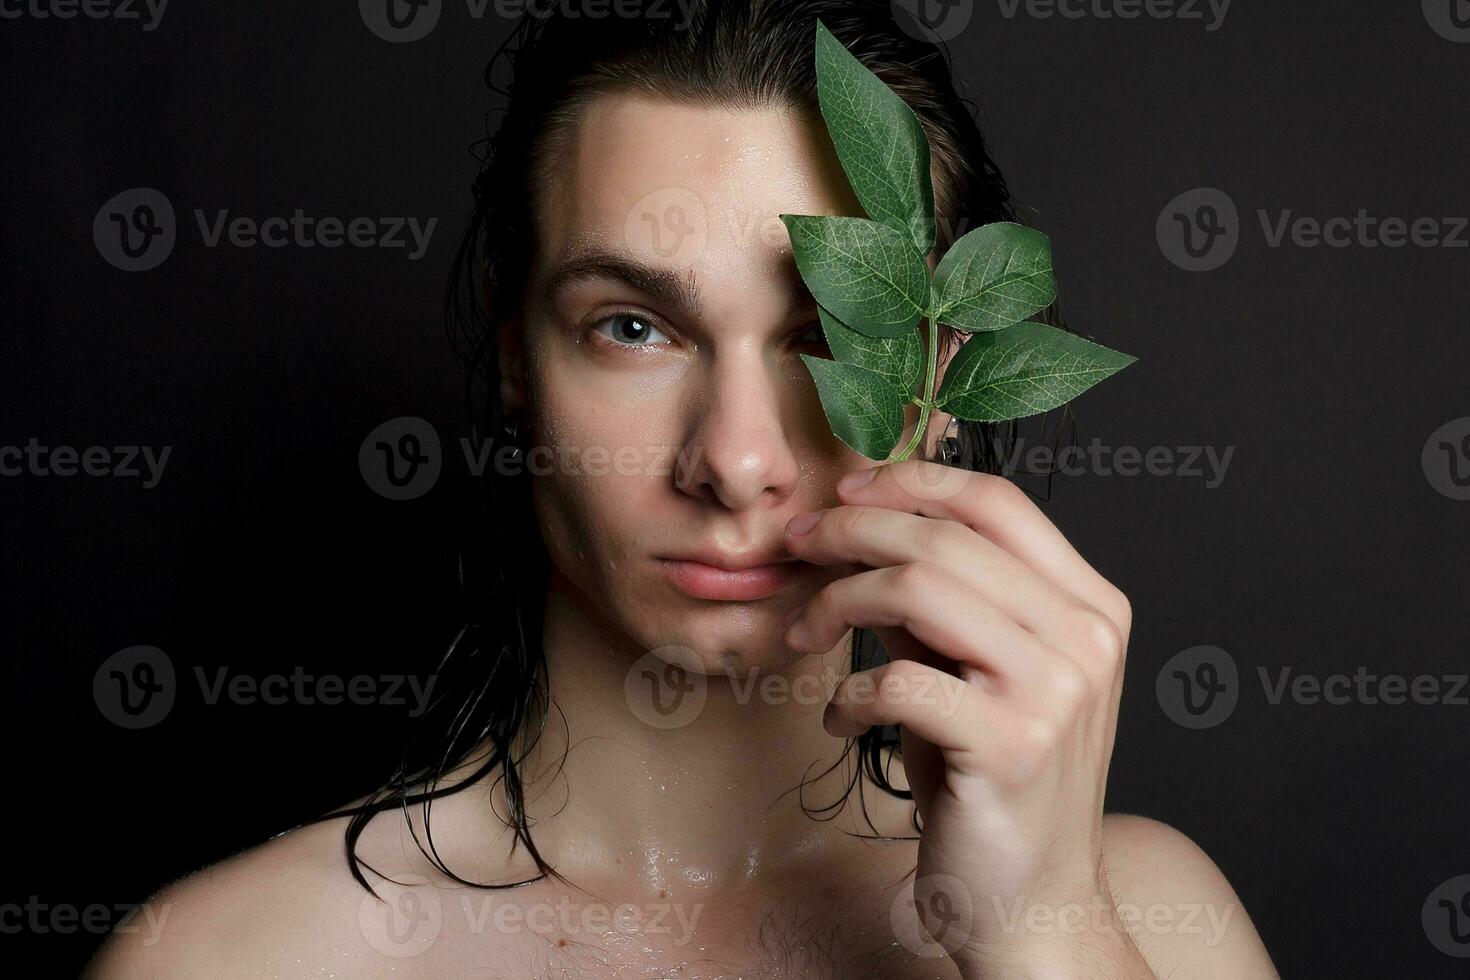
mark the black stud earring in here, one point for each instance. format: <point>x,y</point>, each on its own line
<point>510,426</point>
<point>949,446</point>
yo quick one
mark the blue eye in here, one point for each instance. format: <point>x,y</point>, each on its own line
<point>629,329</point>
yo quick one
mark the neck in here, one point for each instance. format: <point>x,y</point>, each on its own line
<point>701,795</point>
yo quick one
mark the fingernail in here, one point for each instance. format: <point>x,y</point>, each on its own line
<point>857,479</point>
<point>800,525</point>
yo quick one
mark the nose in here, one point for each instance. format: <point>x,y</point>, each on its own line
<point>738,453</point>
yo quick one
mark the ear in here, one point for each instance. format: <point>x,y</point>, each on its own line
<point>512,354</point>
<point>511,351</point>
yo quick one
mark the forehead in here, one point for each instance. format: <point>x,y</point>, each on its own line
<point>691,188</point>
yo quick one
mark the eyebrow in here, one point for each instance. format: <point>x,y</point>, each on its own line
<point>674,289</point>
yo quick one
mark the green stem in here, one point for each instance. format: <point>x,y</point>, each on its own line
<point>926,404</point>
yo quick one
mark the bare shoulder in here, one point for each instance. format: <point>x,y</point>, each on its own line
<point>290,907</point>
<point>275,904</point>
<point>1184,916</point>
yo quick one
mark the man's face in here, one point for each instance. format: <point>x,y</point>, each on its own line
<point>661,334</point>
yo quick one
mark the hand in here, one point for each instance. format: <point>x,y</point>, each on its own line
<point>1006,668</point>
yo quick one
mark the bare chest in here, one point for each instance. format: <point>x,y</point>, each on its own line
<point>822,934</point>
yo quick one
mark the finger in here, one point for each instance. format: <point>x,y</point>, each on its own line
<point>902,692</point>
<point>974,731</point>
<point>879,536</point>
<point>987,647</point>
<point>1093,636</point>
<point>1002,512</point>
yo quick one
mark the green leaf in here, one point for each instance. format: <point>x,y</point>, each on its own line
<point>879,141</point>
<point>871,281</point>
<point>996,275</point>
<point>1023,370</point>
<point>865,273</point>
<point>866,412</point>
<point>900,360</point>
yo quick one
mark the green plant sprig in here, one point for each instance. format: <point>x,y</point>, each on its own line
<point>870,277</point>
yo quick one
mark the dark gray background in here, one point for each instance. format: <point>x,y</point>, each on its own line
<point>1326,547</point>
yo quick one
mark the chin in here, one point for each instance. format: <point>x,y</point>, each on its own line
<point>731,641</point>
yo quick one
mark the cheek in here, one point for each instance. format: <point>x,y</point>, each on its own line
<point>601,532</point>
<point>582,537</point>
<point>601,475</point>
<point>585,397</point>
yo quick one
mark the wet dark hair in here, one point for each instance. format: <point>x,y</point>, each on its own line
<point>491,687</point>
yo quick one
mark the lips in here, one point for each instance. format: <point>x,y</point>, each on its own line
<point>707,581</point>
